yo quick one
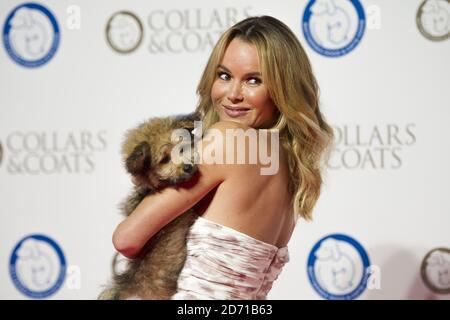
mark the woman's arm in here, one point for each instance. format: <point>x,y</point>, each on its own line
<point>157,210</point>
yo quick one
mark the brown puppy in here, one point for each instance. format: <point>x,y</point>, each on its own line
<point>147,156</point>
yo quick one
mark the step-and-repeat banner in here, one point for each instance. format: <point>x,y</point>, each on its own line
<point>75,75</point>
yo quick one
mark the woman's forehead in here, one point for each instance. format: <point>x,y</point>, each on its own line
<point>241,56</point>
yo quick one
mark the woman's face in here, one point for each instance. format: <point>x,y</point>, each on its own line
<point>238,93</point>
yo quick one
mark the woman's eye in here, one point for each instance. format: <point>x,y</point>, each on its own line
<point>223,75</point>
<point>254,81</point>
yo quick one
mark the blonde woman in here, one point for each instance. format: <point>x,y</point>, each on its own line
<point>258,77</point>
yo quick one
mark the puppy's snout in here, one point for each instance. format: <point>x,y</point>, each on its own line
<point>188,168</point>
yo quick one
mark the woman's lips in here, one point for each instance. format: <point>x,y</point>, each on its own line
<point>235,111</point>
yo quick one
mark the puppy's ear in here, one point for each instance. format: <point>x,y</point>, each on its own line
<point>139,160</point>
<point>187,121</point>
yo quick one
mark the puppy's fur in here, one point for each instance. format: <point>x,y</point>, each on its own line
<point>146,152</point>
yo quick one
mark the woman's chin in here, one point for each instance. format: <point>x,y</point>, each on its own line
<point>237,120</point>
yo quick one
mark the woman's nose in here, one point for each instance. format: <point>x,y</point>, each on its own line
<point>235,92</point>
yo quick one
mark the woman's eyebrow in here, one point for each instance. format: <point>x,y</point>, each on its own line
<point>254,73</point>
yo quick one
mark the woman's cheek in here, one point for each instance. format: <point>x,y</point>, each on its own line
<point>257,97</point>
<point>215,92</point>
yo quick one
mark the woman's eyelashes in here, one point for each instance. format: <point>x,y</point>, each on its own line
<point>225,76</point>
<point>257,80</point>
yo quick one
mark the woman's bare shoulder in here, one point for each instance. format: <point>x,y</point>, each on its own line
<point>216,136</point>
<point>236,150</point>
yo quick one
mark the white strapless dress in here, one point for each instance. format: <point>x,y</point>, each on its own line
<point>223,263</point>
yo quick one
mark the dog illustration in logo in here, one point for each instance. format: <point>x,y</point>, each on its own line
<point>334,268</point>
<point>330,24</point>
<point>437,270</point>
<point>124,32</point>
<point>34,265</point>
<point>28,35</point>
<point>436,17</point>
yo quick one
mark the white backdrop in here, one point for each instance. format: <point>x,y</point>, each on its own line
<point>62,122</point>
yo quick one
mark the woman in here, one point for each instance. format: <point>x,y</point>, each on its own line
<point>257,77</point>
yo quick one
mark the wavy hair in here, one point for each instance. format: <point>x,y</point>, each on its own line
<point>286,71</point>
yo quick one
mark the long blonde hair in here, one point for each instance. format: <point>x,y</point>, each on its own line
<point>287,73</point>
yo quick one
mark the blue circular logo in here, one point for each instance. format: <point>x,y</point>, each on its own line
<point>338,267</point>
<point>31,35</point>
<point>333,28</point>
<point>37,266</point>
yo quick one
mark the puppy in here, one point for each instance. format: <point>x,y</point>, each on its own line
<point>146,151</point>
